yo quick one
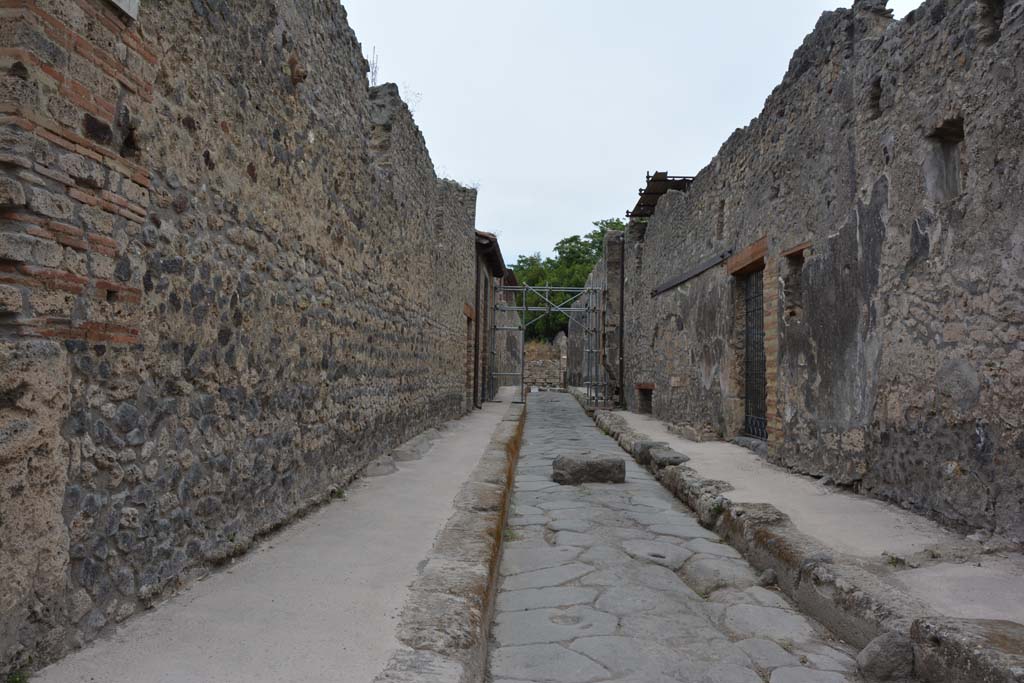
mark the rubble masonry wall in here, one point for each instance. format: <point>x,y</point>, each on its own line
<point>229,277</point>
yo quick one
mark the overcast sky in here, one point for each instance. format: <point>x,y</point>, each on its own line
<point>555,109</point>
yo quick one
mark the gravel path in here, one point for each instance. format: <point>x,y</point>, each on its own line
<point>618,582</point>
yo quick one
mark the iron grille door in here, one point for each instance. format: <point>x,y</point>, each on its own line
<point>755,422</point>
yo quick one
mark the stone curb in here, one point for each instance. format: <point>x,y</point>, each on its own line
<point>856,605</point>
<point>445,623</point>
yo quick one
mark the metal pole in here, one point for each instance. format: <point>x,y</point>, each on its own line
<point>622,320</point>
<point>591,389</point>
<point>494,343</point>
<point>602,358</point>
<point>586,348</point>
<point>522,350</point>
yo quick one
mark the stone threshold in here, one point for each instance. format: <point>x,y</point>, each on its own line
<point>854,603</point>
<point>445,622</point>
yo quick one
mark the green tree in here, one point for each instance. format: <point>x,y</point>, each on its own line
<point>574,258</point>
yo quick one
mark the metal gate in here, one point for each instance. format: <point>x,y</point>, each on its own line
<point>525,299</point>
<point>755,422</point>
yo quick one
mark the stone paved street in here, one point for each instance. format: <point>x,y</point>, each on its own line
<point>618,582</point>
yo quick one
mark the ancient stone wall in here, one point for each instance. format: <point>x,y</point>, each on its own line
<point>229,277</point>
<point>879,198</point>
<point>545,365</point>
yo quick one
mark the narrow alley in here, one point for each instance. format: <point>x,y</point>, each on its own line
<point>688,350</point>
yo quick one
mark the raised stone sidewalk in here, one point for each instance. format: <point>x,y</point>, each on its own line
<point>618,582</point>
<point>863,567</point>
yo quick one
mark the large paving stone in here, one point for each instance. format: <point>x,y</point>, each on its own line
<point>730,673</point>
<point>578,525</point>
<point>650,575</point>
<point>732,596</point>
<point>632,599</point>
<point>680,530</point>
<point>666,554</point>
<point>756,621</point>
<point>551,625</point>
<point>543,578</point>
<point>519,560</point>
<point>535,598</point>
<point>545,664</point>
<point>682,630</point>
<point>768,598</point>
<point>534,485</point>
<point>663,518</point>
<point>571,538</point>
<point>573,470</point>
<point>622,655</point>
<point>527,520</point>
<point>767,654</point>
<point>802,675</point>
<point>655,502</point>
<point>706,574</point>
<point>563,502</point>
<point>707,547</point>
<point>605,556</point>
<point>888,657</point>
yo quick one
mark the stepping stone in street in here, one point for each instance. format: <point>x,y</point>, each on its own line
<point>573,470</point>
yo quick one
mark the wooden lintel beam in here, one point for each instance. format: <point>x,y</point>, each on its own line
<point>798,250</point>
<point>749,259</point>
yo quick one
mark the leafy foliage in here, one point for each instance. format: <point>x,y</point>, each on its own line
<point>574,258</point>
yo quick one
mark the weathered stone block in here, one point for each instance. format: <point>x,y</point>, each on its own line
<point>51,204</point>
<point>11,299</point>
<point>11,192</point>
<point>888,657</point>
<point>84,170</point>
<point>642,449</point>
<point>578,469</point>
<point>664,457</point>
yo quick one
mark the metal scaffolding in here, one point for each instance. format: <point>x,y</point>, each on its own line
<point>596,379</point>
<point>575,302</point>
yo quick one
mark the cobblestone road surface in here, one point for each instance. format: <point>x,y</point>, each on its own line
<point>618,582</point>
